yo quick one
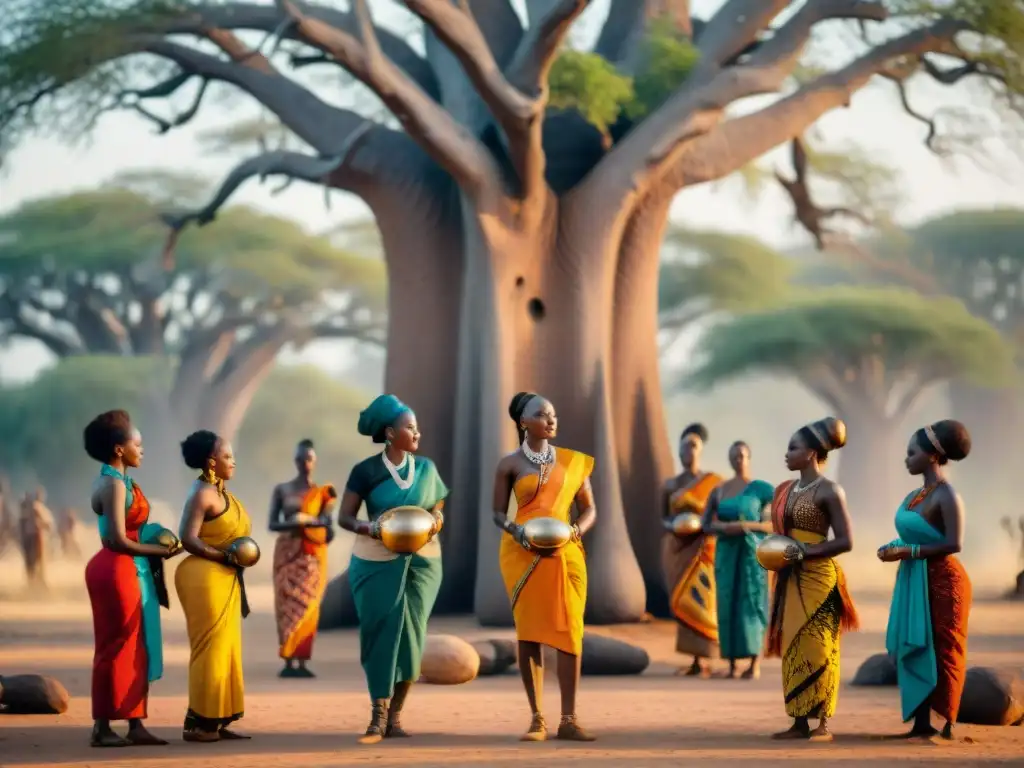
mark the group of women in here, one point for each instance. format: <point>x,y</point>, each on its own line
<point>719,592</point>
<point>726,604</point>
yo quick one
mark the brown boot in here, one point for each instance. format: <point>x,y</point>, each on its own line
<point>378,722</point>
<point>394,728</point>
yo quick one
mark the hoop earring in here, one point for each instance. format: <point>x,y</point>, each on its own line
<point>209,476</point>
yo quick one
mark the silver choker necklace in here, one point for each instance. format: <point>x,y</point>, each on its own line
<point>540,459</point>
<point>405,484</point>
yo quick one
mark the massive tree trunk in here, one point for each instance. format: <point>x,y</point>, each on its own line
<point>642,445</point>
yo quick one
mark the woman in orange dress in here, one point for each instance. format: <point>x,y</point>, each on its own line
<point>300,515</point>
<point>548,594</point>
<point>689,561</point>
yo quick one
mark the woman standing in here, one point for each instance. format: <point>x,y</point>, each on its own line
<point>927,633</point>
<point>689,561</point>
<point>739,515</point>
<point>548,594</point>
<point>300,513</point>
<point>211,590</point>
<point>125,609</point>
<point>394,594</point>
<point>811,606</point>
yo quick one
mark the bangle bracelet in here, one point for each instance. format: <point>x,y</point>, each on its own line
<point>915,551</point>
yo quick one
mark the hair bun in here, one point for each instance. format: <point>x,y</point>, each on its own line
<point>518,405</point>
<point>954,438</point>
<point>835,430</point>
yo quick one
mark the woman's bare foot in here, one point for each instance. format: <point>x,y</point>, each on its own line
<point>753,672</point>
<point>570,730</point>
<point>821,734</point>
<point>198,735</point>
<point>538,730</point>
<point>139,736</point>
<point>104,736</point>
<point>799,730</point>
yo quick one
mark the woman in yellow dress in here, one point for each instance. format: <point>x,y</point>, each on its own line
<point>548,594</point>
<point>811,606</point>
<point>689,561</point>
<point>211,590</point>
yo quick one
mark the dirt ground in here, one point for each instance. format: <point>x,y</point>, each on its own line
<point>656,719</point>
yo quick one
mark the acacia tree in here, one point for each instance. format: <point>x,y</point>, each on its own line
<point>84,275</point>
<point>540,232</point>
<point>867,354</point>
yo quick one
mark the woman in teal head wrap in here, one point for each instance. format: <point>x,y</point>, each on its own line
<point>394,594</point>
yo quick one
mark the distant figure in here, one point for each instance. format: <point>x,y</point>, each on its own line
<point>811,606</point>
<point>739,516</point>
<point>36,526</point>
<point>300,513</point>
<point>927,633</point>
<point>689,561</point>
<point>8,526</point>
<point>68,531</point>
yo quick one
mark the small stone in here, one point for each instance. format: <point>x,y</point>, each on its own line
<point>338,607</point>
<point>448,660</point>
<point>879,669</point>
<point>32,695</point>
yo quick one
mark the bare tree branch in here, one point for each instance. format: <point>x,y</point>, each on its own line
<point>449,143</point>
<point>652,149</point>
<point>737,142</point>
<point>293,165</point>
<point>537,51</point>
<point>266,18</point>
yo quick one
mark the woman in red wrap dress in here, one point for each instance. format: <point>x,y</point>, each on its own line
<point>120,671</point>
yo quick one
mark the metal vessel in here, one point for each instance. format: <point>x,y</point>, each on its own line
<point>687,524</point>
<point>405,530</point>
<point>547,535</point>
<point>771,553</point>
<point>246,551</point>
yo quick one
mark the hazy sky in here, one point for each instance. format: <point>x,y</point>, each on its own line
<point>42,167</point>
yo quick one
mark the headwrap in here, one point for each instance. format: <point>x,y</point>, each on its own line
<point>382,413</point>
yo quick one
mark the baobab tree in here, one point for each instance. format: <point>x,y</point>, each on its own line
<point>538,231</point>
<point>82,274</point>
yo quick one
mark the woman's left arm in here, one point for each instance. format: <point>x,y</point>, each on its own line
<point>951,508</point>
<point>833,501</point>
<point>438,512</point>
<point>585,505</point>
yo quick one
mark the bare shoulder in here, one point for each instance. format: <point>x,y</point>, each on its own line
<point>946,495</point>
<point>508,462</point>
<point>832,490</point>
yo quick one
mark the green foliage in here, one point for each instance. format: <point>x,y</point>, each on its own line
<point>590,85</point>
<point>863,183</point>
<point>668,58</point>
<point>110,230</point>
<point>42,422</point>
<point>63,61</point>
<point>838,329</point>
<point>721,272</point>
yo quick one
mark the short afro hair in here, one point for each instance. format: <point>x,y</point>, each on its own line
<point>104,433</point>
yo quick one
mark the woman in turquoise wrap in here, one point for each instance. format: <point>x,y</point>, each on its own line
<point>739,515</point>
<point>927,632</point>
<point>394,594</point>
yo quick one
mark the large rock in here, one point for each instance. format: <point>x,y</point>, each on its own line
<point>338,609</point>
<point>992,697</point>
<point>603,656</point>
<point>496,656</point>
<point>608,656</point>
<point>32,695</point>
<point>879,669</point>
<point>448,660</point>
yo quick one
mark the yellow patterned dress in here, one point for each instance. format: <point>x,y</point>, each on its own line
<point>212,597</point>
<point>811,608</point>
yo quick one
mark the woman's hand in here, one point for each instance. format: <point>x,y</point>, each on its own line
<point>793,553</point>
<point>230,560</point>
<point>302,518</point>
<point>173,550</point>
<point>438,523</point>
<point>891,554</point>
